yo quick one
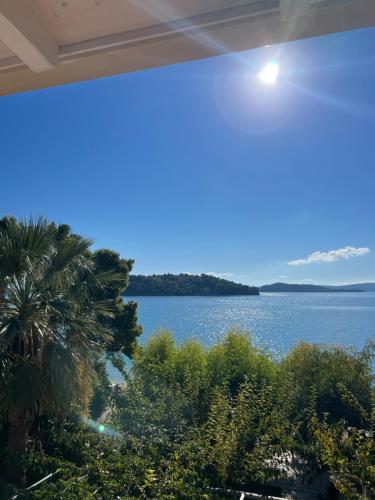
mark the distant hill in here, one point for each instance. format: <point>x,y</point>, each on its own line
<point>366,287</point>
<point>185,284</point>
<point>288,287</point>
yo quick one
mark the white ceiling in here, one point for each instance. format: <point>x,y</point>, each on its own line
<point>4,51</point>
<point>51,42</point>
<point>77,20</point>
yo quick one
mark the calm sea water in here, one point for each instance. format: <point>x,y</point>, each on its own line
<point>277,321</point>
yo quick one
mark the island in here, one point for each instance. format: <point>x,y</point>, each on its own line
<point>290,287</point>
<point>185,284</point>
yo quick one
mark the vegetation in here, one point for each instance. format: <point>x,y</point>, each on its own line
<point>190,421</point>
<point>60,311</point>
<point>185,284</point>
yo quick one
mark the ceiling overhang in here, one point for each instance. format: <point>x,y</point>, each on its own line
<point>43,43</point>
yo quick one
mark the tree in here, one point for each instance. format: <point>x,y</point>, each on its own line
<point>55,321</point>
<point>123,322</point>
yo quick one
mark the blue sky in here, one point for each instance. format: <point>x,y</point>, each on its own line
<point>201,167</point>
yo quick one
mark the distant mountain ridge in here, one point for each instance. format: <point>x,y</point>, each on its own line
<point>366,287</point>
<point>294,287</point>
<point>185,284</point>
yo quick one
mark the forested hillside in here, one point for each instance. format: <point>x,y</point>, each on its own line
<point>185,284</point>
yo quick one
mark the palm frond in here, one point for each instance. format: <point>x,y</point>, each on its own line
<point>50,305</point>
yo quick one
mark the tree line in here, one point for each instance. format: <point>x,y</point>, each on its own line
<point>185,284</point>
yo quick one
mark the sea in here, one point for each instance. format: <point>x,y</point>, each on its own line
<point>276,321</point>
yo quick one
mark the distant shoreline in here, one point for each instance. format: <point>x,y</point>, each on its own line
<point>307,288</point>
<point>317,291</point>
<point>194,295</point>
<point>204,285</point>
<point>248,295</point>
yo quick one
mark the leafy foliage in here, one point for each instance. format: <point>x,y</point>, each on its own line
<point>191,418</point>
<point>348,452</point>
<point>59,312</point>
<point>322,369</point>
<point>123,322</point>
<point>186,284</point>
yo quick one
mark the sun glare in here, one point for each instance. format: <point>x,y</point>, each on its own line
<point>269,73</point>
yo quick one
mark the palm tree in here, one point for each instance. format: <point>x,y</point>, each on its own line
<point>49,328</point>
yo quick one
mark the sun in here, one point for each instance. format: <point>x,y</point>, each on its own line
<point>269,73</point>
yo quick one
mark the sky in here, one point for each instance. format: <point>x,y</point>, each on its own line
<point>202,167</point>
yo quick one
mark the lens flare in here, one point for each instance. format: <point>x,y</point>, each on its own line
<point>269,73</point>
<point>101,428</point>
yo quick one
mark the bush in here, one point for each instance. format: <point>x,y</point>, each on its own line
<point>190,418</point>
<point>321,370</point>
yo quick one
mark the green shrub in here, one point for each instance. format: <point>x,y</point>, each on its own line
<point>235,359</point>
<point>322,369</point>
<point>190,418</point>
